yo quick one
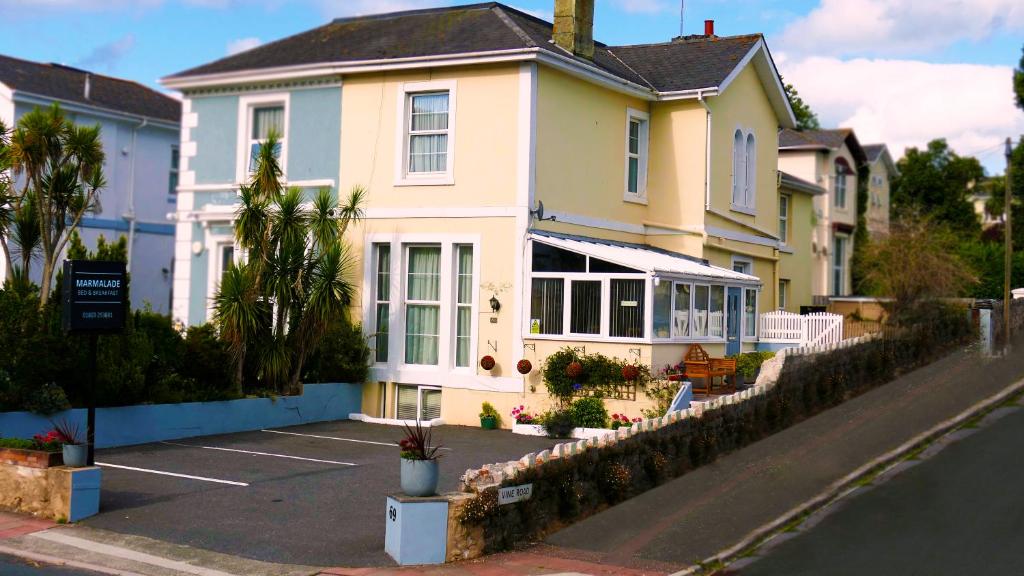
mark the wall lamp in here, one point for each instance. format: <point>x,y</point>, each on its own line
<point>495,305</point>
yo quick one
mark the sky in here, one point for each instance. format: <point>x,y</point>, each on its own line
<point>897,71</point>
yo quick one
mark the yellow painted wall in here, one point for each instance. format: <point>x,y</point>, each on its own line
<point>677,166</point>
<point>745,105</point>
<point>878,199</point>
<point>581,148</point>
<point>486,120</point>
<point>798,267</point>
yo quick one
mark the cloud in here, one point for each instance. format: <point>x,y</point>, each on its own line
<point>909,102</point>
<point>242,44</point>
<point>898,27</point>
<point>107,55</point>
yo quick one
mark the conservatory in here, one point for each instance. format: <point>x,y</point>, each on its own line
<point>588,289</point>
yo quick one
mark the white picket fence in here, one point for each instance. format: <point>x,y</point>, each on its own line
<point>815,329</point>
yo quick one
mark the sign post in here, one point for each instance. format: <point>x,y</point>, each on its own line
<point>95,299</point>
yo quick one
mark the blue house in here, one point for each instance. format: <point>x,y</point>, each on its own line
<point>140,133</point>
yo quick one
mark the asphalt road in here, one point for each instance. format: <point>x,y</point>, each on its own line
<point>960,511</point>
<point>314,495</point>
<point>10,566</point>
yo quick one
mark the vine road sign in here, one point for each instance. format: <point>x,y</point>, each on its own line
<point>95,297</point>
<point>513,494</point>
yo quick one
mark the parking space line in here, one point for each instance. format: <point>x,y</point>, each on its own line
<point>175,474</point>
<point>262,454</point>
<point>391,444</point>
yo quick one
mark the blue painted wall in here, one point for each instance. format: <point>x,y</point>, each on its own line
<point>127,425</point>
<point>197,283</point>
<point>216,136</point>
<point>314,141</point>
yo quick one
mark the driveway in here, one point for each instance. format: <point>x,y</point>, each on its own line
<point>311,494</point>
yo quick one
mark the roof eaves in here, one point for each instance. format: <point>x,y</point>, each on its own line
<point>107,110</point>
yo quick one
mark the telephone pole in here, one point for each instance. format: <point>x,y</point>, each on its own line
<point>1008,246</point>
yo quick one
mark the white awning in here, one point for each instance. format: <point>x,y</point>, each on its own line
<point>658,263</point>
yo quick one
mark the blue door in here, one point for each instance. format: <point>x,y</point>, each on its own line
<point>732,321</point>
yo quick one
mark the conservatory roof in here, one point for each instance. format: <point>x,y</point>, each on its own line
<point>650,259</point>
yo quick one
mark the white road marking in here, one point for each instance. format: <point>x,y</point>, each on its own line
<point>262,454</point>
<point>175,474</point>
<point>391,444</point>
<point>118,552</point>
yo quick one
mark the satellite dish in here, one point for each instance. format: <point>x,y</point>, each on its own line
<point>539,212</point>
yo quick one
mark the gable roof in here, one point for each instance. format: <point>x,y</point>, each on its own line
<point>493,29</point>
<point>833,139</point>
<point>68,84</point>
<point>875,152</point>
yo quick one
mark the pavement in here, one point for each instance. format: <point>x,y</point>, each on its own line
<point>706,511</point>
<point>956,511</point>
<point>12,566</point>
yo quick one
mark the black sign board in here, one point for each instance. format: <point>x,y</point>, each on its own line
<point>95,297</point>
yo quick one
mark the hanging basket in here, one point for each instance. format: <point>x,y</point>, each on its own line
<point>487,362</point>
<point>630,372</point>
<point>574,370</point>
<point>524,366</point>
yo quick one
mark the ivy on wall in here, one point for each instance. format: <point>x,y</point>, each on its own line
<point>860,235</point>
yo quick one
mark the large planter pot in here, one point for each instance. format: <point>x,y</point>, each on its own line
<point>488,422</point>
<point>75,455</point>
<point>419,477</point>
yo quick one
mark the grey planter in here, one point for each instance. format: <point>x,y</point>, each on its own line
<point>419,477</point>
<point>75,455</point>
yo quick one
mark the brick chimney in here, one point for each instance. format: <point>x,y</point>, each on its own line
<point>709,27</point>
<point>574,26</point>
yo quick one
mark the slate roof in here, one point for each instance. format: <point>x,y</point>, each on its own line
<point>822,140</point>
<point>873,151</point>
<point>685,63</point>
<point>66,83</point>
<point>796,183</point>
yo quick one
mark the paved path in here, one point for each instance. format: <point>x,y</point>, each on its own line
<point>10,566</point>
<point>958,512</point>
<point>710,509</point>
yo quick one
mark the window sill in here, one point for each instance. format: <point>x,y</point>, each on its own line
<point>634,198</point>
<point>586,338</point>
<point>431,180</point>
<point>742,210</point>
<point>691,340</point>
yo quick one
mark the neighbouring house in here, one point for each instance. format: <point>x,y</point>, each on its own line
<point>140,130</point>
<point>979,201</point>
<point>528,188</point>
<point>883,170</point>
<point>797,223</point>
<point>830,159</point>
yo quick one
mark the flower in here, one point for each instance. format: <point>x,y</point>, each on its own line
<point>577,386</point>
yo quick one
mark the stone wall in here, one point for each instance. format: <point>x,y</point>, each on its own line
<point>49,492</point>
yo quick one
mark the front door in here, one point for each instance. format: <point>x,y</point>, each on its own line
<point>732,321</point>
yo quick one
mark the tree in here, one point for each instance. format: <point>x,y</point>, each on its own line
<point>935,182</point>
<point>915,265</point>
<point>61,166</point>
<point>806,119</point>
<point>273,309</point>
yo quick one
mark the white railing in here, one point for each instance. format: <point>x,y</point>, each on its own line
<point>802,330</point>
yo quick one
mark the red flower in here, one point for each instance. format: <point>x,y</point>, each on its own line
<point>630,372</point>
<point>524,366</point>
<point>487,362</point>
<point>574,370</point>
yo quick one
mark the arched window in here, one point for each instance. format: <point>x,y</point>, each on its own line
<point>739,170</point>
<point>751,176</point>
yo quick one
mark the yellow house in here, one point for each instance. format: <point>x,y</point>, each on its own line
<point>528,189</point>
<point>830,159</point>
<point>797,222</point>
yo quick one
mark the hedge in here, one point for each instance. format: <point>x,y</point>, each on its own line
<point>568,489</point>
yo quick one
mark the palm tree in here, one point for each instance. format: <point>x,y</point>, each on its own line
<point>296,279</point>
<point>61,165</point>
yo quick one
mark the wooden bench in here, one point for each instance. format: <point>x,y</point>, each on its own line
<point>722,368</point>
<point>698,367</point>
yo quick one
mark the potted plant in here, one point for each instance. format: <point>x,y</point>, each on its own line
<point>623,421</point>
<point>74,448</point>
<point>419,461</point>
<point>489,417</point>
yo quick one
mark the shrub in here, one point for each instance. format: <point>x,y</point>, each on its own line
<point>589,413</point>
<point>600,374</point>
<point>47,399</point>
<point>343,356</point>
<point>558,423</point>
<point>748,363</point>
<point>487,410</point>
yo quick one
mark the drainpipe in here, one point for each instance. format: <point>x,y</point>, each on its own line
<point>707,152</point>
<point>130,215</point>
